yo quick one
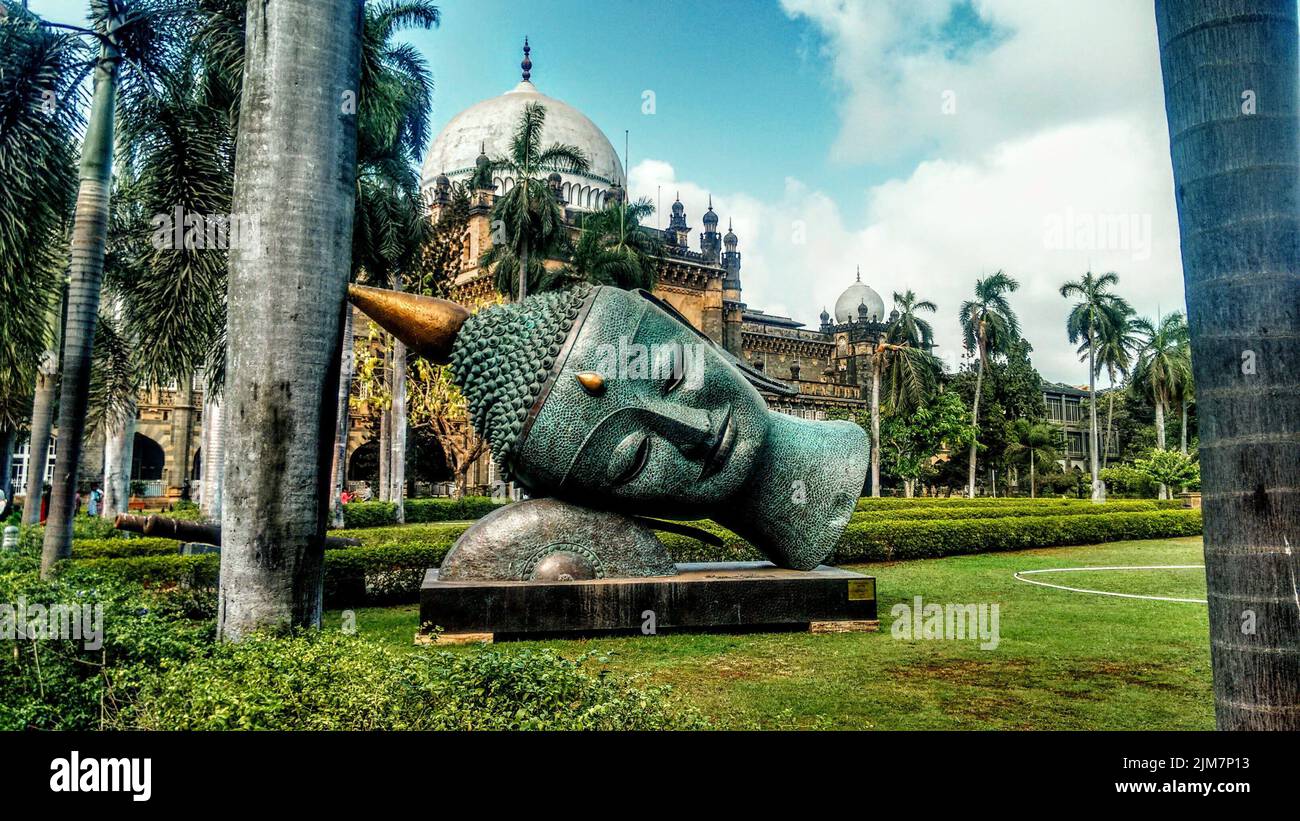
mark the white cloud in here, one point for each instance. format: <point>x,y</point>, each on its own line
<point>952,221</point>
<point>1025,66</point>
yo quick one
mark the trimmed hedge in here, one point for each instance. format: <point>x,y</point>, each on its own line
<point>896,503</point>
<point>391,565</point>
<point>378,514</point>
<point>118,548</point>
<point>940,512</point>
<point>897,540</point>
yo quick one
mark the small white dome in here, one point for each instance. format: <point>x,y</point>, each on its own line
<point>489,125</point>
<point>859,293</point>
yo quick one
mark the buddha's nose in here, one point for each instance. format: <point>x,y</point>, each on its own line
<point>687,428</point>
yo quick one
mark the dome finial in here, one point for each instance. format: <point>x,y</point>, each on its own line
<point>527,64</point>
<point>859,273</point>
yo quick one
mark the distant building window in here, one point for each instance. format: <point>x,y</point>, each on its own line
<point>1073,410</point>
<point>1054,408</point>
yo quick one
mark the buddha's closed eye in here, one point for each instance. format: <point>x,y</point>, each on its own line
<point>629,457</point>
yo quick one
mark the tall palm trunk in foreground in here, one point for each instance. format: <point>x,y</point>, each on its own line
<point>89,234</point>
<point>295,170</point>
<point>1231,95</point>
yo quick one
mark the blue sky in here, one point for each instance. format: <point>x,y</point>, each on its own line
<point>928,141</point>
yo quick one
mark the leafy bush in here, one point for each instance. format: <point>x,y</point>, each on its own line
<point>369,514</point>
<point>450,510</point>
<point>1000,511</point>
<point>378,514</point>
<point>897,540</point>
<point>390,566</point>
<point>161,668</point>
<point>894,503</point>
<point>416,535</point>
<point>336,682</point>
<point>58,684</point>
<point>123,548</point>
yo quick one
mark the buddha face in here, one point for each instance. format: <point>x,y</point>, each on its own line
<point>644,415</point>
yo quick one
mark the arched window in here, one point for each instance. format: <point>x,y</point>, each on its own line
<point>147,459</point>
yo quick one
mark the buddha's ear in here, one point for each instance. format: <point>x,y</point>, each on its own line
<point>758,379</point>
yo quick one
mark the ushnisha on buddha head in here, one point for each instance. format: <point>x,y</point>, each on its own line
<point>606,398</point>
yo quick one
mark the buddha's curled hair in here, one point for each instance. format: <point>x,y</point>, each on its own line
<point>502,357</point>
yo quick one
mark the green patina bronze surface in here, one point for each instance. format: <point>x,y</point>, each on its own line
<point>670,426</point>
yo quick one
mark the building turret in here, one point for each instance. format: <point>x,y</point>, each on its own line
<point>827,327</point>
<point>679,233</point>
<point>710,239</point>
<point>731,257</point>
<point>554,181</point>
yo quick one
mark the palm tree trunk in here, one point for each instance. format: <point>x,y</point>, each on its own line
<point>295,174</point>
<point>214,457</point>
<point>385,451</point>
<point>397,428</point>
<point>975,421</point>
<point>47,383</point>
<point>119,445</point>
<point>1033,488</point>
<point>523,265</point>
<point>347,364</point>
<point>86,272</point>
<point>1182,445</point>
<point>875,425</point>
<point>1160,424</point>
<point>1237,175</point>
<point>1092,412</point>
<point>1110,416</point>
<point>7,438</point>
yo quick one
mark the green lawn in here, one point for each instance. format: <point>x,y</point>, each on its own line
<point>1065,660</point>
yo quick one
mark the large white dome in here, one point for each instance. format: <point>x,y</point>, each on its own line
<point>859,293</point>
<point>490,124</point>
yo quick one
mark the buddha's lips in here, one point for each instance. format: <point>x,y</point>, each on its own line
<point>720,448</point>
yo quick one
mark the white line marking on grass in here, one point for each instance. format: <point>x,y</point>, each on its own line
<point>1021,573</point>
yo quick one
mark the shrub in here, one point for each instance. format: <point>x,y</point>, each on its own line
<point>58,684</point>
<point>898,540</point>
<point>160,668</point>
<point>123,548</point>
<point>448,510</point>
<point>1001,511</point>
<point>980,501</point>
<point>369,514</point>
<point>155,571</point>
<point>379,514</point>
<point>336,682</point>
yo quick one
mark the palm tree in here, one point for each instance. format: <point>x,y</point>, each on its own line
<point>1237,176</point>
<point>39,73</point>
<point>135,34</point>
<point>1116,349</point>
<point>1162,365</point>
<point>613,249</point>
<point>390,227</point>
<point>989,326</point>
<point>1098,314</point>
<point>1035,443</point>
<point>901,362</point>
<point>295,174</point>
<point>530,219</point>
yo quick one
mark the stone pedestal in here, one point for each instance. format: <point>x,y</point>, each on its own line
<point>746,596</point>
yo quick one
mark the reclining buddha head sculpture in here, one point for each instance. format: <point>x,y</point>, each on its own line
<point>608,399</point>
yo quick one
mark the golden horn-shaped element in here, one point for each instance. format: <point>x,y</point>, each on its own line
<point>427,325</point>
